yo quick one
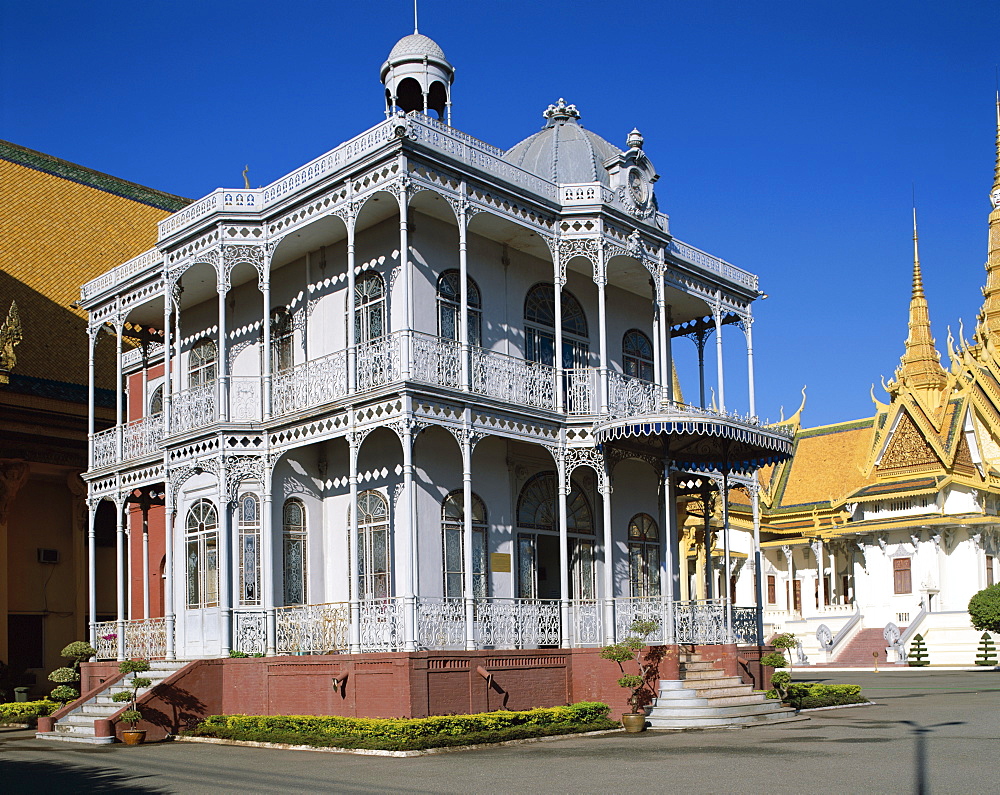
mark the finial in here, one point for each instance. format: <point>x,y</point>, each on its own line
<point>246,179</point>
<point>635,139</point>
<point>561,111</point>
<point>995,193</point>
<point>415,31</point>
<point>918,282</point>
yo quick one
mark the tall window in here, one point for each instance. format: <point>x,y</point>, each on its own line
<point>453,537</point>
<point>540,323</point>
<point>537,508</point>
<point>293,525</point>
<point>156,401</point>
<point>989,571</point>
<point>373,542</point>
<point>644,555</point>
<point>202,553</point>
<point>369,307</point>
<point>449,302</point>
<point>202,364</point>
<point>249,529</point>
<point>771,589</point>
<point>901,575</point>
<point>281,340</point>
<point>637,355</point>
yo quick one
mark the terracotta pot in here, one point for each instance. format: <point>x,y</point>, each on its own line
<point>133,736</point>
<point>634,722</point>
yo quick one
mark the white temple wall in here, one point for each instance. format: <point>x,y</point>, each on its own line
<point>635,487</point>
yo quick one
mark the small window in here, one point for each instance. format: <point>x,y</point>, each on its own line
<point>901,575</point>
<point>201,364</point>
<point>281,340</point>
<point>156,401</point>
<point>540,319</point>
<point>369,307</point>
<point>771,590</point>
<point>644,555</point>
<point>453,532</point>
<point>449,300</point>
<point>202,555</point>
<point>373,542</point>
<point>637,355</point>
<point>249,526</point>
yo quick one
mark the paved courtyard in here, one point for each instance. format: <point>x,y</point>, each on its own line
<point>931,731</point>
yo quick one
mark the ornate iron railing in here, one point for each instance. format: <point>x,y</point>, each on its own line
<point>142,437</point>
<point>144,638</point>
<point>701,621</point>
<point>312,629</point>
<point>245,399</point>
<point>512,379</point>
<point>382,625</point>
<point>517,623</point>
<point>106,640</point>
<point>628,610</point>
<point>588,622</point>
<point>250,631</point>
<point>309,384</point>
<point>105,445</point>
<point>377,363</point>
<point>581,390</point>
<point>440,623</point>
<point>193,408</point>
<point>630,396</point>
<point>436,360</point>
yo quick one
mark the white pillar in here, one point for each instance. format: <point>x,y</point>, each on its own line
<point>145,557</point>
<point>168,560</point>
<point>602,324</point>
<point>167,362</point>
<point>352,353</point>
<point>119,391</point>
<point>406,284</point>
<point>790,590</point>
<point>267,578</point>
<point>405,540</point>
<point>468,584</point>
<point>758,569</point>
<point>667,352</point>
<point>266,290</point>
<point>726,559</point>
<point>354,631</point>
<point>562,489</point>
<point>463,275</point>
<point>225,564</point>
<point>748,330</point>
<point>92,505</point>
<point>223,364</point>
<point>609,556</point>
<point>120,576</point>
<point>671,562</point>
<point>92,334</point>
<point>717,314</point>
<point>820,582</point>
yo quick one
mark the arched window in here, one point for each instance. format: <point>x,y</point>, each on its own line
<point>538,553</point>
<point>202,555</point>
<point>248,519</point>
<point>644,555</point>
<point>449,301</point>
<point>453,536</point>
<point>293,551</point>
<point>369,307</point>
<point>540,323</point>
<point>281,340</point>
<point>637,355</point>
<point>156,401</point>
<point>202,364</point>
<point>373,543</point>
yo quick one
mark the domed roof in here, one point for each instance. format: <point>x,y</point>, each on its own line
<point>563,151</point>
<point>417,44</point>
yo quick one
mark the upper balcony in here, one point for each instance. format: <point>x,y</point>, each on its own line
<point>585,394</point>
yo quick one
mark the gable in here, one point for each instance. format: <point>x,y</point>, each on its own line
<point>906,447</point>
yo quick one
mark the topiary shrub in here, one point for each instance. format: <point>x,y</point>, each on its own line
<point>987,651</point>
<point>64,675</point>
<point>810,695</point>
<point>918,652</point>
<point>78,651</point>
<point>984,609</point>
<point>64,694</point>
<point>785,641</point>
<point>630,650</point>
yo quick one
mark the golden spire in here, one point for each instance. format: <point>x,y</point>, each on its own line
<point>989,316</point>
<point>920,366</point>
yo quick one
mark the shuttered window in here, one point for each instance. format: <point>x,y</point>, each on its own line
<point>901,575</point>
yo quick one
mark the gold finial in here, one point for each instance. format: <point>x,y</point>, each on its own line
<point>995,195</point>
<point>10,336</point>
<point>918,281</point>
<point>246,179</point>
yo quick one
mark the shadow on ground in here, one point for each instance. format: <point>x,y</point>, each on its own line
<point>53,776</point>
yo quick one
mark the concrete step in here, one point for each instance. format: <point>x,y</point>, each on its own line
<point>90,740</point>
<point>713,673</point>
<point>674,701</point>
<point>713,711</point>
<point>723,692</point>
<point>707,682</point>
<point>722,723</point>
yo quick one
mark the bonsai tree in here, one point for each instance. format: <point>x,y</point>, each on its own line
<point>918,652</point>
<point>630,650</point>
<point>76,652</point>
<point>779,679</point>
<point>132,715</point>
<point>984,609</point>
<point>784,642</point>
<point>987,651</point>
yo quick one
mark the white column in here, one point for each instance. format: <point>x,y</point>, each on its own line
<point>609,556</point>
<point>758,569</point>
<point>352,353</point>
<point>92,567</point>
<point>92,334</point>
<point>167,362</point>
<point>266,290</point>
<point>727,563</point>
<point>790,591</point>
<point>145,557</point>
<point>558,335</point>
<point>168,561</point>
<point>667,352</point>
<point>717,314</point>
<point>405,537</point>
<point>748,330</point>
<point>820,582</point>
<point>671,562</point>
<point>119,392</point>
<point>602,324</point>
<point>120,576</point>
<point>354,631</point>
<point>406,284</point>
<point>564,592</point>
<point>468,584</point>
<point>225,564</point>
<point>463,275</point>
<point>267,562</point>
<point>835,595</point>
<point>223,363</point>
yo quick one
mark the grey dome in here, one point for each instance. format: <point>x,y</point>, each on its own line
<point>563,151</point>
<point>417,44</point>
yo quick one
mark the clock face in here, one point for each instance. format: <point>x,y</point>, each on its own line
<point>637,187</point>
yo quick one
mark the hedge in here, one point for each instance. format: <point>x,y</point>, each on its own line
<point>404,734</point>
<point>809,695</point>
<point>26,711</point>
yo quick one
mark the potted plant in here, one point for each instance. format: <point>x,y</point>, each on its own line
<point>630,650</point>
<point>131,716</point>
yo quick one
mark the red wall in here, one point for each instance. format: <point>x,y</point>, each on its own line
<point>136,409</point>
<point>157,549</point>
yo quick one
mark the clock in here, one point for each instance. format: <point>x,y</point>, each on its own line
<point>637,187</point>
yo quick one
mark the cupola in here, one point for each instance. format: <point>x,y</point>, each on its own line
<point>417,76</point>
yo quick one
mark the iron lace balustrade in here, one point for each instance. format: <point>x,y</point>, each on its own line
<point>145,638</point>
<point>503,623</point>
<point>245,398</point>
<point>581,390</point>
<point>142,437</point>
<point>382,624</point>
<point>309,384</point>
<point>436,360</point>
<point>440,623</point>
<point>378,363</point>
<point>312,629</point>
<point>193,408</point>
<point>513,380</point>
<point>105,444</point>
<point>628,396</point>
<point>106,642</point>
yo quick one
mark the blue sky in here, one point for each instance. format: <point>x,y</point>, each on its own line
<point>788,135</point>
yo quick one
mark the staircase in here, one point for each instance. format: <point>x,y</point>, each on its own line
<point>858,653</point>
<point>705,698</point>
<point>78,725</point>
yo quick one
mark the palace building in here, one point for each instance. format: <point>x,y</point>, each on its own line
<point>883,528</point>
<point>418,395</point>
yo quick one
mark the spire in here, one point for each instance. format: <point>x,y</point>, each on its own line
<point>416,30</point>
<point>989,316</point>
<point>920,366</point>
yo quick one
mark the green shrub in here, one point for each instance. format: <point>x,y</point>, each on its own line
<point>984,609</point>
<point>133,666</point>
<point>64,675</point>
<point>809,695</point>
<point>396,733</point>
<point>918,652</point>
<point>775,660</point>
<point>26,711</point>
<point>987,651</point>
<point>64,693</point>
<point>79,651</point>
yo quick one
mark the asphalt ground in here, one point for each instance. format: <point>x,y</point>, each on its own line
<point>929,732</point>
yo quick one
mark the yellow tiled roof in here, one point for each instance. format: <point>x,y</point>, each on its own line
<point>826,464</point>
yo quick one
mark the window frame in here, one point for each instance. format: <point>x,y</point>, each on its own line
<point>539,328</point>
<point>201,547</point>
<point>373,583</point>
<point>636,364</point>
<point>248,527</point>
<point>902,576</point>
<point>203,370</point>
<point>452,528</point>
<point>449,303</point>
<point>294,553</point>
<point>644,556</point>
<point>366,305</point>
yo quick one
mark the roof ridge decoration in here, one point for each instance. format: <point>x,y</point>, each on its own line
<point>920,365</point>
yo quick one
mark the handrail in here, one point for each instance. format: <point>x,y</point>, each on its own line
<point>910,631</point>
<point>841,636</point>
